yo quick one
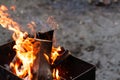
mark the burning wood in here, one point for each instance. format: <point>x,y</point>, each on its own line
<point>41,69</point>
<point>26,53</point>
<point>70,68</point>
<point>61,58</point>
<point>30,59</point>
<point>35,57</point>
<point>41,66</point>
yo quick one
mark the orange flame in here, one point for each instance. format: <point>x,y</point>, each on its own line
<point>47,57</point>
<point>54,53</point>
<point>8,23</point>
<point>26,53</point>
<point>26,48</point>
<point>56,74</point>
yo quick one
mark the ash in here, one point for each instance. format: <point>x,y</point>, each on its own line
<point>90,32</point>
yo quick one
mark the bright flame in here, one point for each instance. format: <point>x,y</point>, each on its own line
<point>26,48</point>
<point>54,53</point>
<point>56,74</point>
<point>26,52</point>
<point>8,23</point>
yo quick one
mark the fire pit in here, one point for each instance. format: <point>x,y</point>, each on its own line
<point>31,57</point>
<point>70,68</point>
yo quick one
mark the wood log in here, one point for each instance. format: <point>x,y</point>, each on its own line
<point>45,36</point>
<point>41,68</point>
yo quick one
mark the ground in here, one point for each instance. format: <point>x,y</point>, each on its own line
<point>91,33</point>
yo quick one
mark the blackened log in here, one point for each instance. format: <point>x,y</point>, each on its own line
<point>45,36</point>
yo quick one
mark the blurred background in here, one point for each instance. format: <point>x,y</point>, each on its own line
<point>90,32</point>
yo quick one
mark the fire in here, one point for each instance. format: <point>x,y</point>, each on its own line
<point>26,48</point>
<point>56,74</point>
<point>9,23</point>
<point>26,52</point>
<point>23,45</point>
<point>54,53</point>
<point>47,57</point>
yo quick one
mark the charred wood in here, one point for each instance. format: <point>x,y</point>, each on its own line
<point>42,69</point>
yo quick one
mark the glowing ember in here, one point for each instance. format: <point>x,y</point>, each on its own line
<point>26,48</point>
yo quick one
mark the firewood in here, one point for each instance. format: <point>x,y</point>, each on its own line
<point>41,67</point>
<point>45,36</point>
